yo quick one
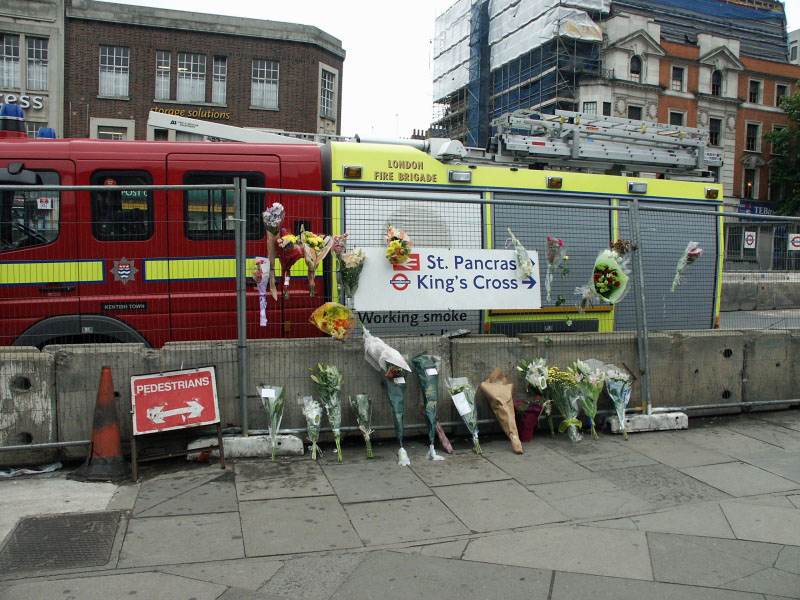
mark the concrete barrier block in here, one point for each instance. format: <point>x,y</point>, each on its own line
<point>254,446</point>
<point>693,368</point>
<point>27,403</point>
<point>768,366</point>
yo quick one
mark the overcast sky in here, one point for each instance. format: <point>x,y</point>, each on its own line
<point>388,70</point>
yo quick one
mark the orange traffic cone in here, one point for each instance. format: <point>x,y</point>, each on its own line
<point>104,462</point>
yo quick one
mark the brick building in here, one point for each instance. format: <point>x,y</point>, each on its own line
<point>123,61</point>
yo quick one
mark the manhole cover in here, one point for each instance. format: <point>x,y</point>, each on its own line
<point>64,541</point>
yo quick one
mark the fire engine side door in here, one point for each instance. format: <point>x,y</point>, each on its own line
<point>123,229</point>
<point>39,273</point>
<point>201,264</point>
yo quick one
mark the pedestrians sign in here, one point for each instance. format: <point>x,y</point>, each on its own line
<point>794,241</point>
<point>749,240</point>
<point>174,400</point>
<point>445,279</point>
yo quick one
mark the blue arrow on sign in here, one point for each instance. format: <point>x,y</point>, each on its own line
<point>530,281</point>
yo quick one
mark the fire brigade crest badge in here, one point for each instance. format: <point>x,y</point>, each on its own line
<point>124,270</point>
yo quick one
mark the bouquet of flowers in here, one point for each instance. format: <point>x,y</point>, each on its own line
<point>464,400</point>
<point>535,374</point>
<point>393,366</point>
<point>609,281</point>
<point>564,394</point>
<point>272,398</point>
<point>427,368</point>
<point>334,319</point>
<point>362,406</point>
<point>618,386</point>
<point>315,248</point>
<point>329,382</point>
<point>351,263</point>
<point>261,277</point>
<point>339,242</point>
<point>524,263</point>
<point>398,245</point>
<point>290,250</point>
<point>589,381</point>
<point>273,218</point>
<point>556,255</point>
<point>690,255</point>
<point>501,398</point>
<point>312,411</point>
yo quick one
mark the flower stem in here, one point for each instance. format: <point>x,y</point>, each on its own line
<point>313,451</point>
<point>369,447</point>
<point>625,434</point>
<point>338,449</point>
<point>594,433</point>
<point>550,422</point>
<point>478,447</point>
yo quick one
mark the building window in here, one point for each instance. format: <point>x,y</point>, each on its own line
<point>635,112</point>
<point>716,83</point>
<point>754,95</point>
<point>752,141</point>
<point>590,108</point>
<point>714,173</point>
<point>327,94</point>
<point>32,128</point>
<point>636,69</point>
<point>220,83</point>
<point>677,79</point>
<point>714,131</point>
<point>264,87</point>
<point>750,184</point>
<point>114,71</point>
<point>606,109</point>
<point>163,67</point>
<point>772,145</point>
<point>37,63</point>
<point>191,77</point>
<point>108,132</point>
<point>781,92</point>
<point>9,61</point>
<point>676,118</point>
<point>776,190</point>
<point>793,52</point>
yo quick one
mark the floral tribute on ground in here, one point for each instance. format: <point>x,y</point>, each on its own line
<point>398,245</point>
<point>563,391</point>
<point>589,379</point>
<point>312,411</point>
<point>362,407</point>
<point>688,258</point>
<point>329,382</point>
<point>464,400</point>
<point>427,367</point>
<point>500,393</point>
<point>272,399</point>
<point>535,374</point>
<point>618,387</point>
<point>391,364</point>
<point>609,281</point>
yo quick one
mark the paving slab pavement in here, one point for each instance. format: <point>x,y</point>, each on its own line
<point>708,513</point>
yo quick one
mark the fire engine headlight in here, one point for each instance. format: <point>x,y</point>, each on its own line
<point>555,182</point>
<point>637,187</point>
<point>459,176</point>
<point>352,171</point>
<point>712,193</point>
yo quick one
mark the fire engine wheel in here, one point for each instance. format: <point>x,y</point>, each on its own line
<point>76,329</point>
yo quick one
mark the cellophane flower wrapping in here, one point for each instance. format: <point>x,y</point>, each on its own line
<point>362,407</point>
<point>609,281</point>
<point>312,411</point>
<point>394,380</point>
<point>315,248</point>
<point>689,257</point>
<point>398,245</point>
<point>561,389</point>
<point>618,386</point>
<point>261,277</point>
<point>351,263</point>
<point>464,400</point>
<point>500,393</point>
<point>334,319</point>
<point>273,219</point>
<point>427,367</point>
<point>535,374</point>
<point>524,265</point>
<point>272,399</point>
<point>556,255</point>
<point>290,250</point>
<point>329,383</point>
<point>589,380</point>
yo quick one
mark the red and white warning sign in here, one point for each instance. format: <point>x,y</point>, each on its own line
<point>794,241</point>
<point>749,240</point>
<point>174,400</point>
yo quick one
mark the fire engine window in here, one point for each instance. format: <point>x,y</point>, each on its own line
<point>208,214</point>
<point>29,218</point>
<point>122,215</point>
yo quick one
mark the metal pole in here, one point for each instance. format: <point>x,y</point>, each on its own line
<point>240,238</point>
<point>641,313</point>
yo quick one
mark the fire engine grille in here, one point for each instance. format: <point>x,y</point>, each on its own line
<point>64,541</point>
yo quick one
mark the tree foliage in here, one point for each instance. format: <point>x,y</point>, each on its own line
<point>785,165</point>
